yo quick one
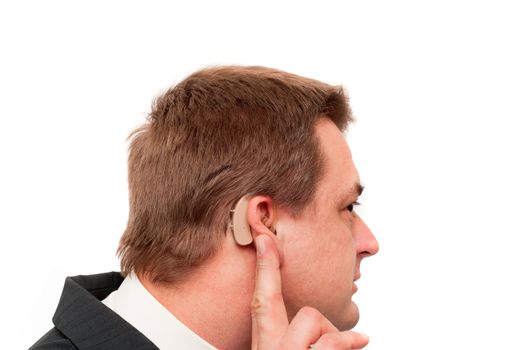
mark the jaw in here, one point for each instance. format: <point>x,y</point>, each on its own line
<point>343,317</point>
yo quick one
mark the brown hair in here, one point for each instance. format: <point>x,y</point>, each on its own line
<point>221,133</point>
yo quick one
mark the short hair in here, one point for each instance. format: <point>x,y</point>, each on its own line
<point>221,133</point>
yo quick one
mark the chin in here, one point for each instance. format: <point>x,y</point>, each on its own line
<point>348,319</point>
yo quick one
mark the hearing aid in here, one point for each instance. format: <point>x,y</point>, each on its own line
<point>239,222</point>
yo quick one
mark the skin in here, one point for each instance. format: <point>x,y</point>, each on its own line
<point>301,290</point>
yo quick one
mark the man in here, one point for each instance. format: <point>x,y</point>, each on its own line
<point>241,231</point>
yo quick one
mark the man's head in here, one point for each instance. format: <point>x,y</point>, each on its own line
<point>218,135</point>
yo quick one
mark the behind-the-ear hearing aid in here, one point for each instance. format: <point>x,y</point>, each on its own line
<point>239,222</point>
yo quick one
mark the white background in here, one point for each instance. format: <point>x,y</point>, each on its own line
<point>438,92</point>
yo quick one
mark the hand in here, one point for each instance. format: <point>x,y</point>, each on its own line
<point>270,327</point>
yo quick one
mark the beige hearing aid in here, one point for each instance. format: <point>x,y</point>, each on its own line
<point>239,222</point>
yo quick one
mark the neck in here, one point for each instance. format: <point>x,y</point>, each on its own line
<point>215,301</point>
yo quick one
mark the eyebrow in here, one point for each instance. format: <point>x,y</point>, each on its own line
<point>354,191</point>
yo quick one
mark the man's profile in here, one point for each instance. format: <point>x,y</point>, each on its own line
<point>225,134</point>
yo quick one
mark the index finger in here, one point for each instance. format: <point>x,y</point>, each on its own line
<point>269,317</point>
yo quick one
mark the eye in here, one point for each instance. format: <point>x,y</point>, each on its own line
<point>350,208</point>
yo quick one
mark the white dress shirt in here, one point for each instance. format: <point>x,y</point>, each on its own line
<point>138,307</point>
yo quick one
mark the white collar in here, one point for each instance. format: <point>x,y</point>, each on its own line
<point>138,307</point>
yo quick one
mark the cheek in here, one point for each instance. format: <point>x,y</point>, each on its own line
<point>303,257</point>
<point>339,254</point>
<point>321,253</point>
<point>339,238</point>
<point>318,267</point>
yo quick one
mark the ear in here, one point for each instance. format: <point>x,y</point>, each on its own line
<point>251,217</point>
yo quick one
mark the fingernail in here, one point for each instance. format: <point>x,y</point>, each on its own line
<point>260,245</point>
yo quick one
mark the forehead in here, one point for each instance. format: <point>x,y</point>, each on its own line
<point>340,174</point>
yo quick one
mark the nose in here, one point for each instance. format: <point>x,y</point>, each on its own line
<point>365,241</point>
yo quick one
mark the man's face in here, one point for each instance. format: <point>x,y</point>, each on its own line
<point>322,249</point>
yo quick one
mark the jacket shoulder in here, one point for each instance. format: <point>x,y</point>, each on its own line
<point>53,340</point>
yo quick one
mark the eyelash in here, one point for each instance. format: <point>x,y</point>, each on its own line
<point>350,208</point>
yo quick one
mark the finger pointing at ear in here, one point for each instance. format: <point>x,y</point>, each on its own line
<point>269,318</point>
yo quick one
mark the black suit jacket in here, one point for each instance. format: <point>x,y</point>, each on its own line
<point>83,322</point>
